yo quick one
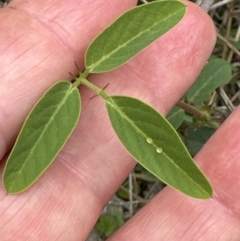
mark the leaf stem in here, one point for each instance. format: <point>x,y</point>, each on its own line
<point>78,80</point>
<point>82,79</point>
<point>188,108</point>
<point>99,91</point>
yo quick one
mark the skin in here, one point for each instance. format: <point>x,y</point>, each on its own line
<point>40,40</point>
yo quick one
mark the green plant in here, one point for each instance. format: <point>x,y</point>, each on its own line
<point>216,73</point>
<point>108,223</point>
<point>147,135</point>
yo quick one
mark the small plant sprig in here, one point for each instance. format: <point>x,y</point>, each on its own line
<point>146,134</point>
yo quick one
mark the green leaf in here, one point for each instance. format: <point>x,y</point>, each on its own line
<point>154,143</point>
<point>176,116</point>
<point>131,33</point>
<point>43,134</point>
<point>216,73</point>
<point>108,223</point>
<point>195,139</point>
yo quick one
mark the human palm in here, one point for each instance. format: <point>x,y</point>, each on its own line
<point>40,41</point>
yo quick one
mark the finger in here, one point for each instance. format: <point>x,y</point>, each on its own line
<point>150,81</point>
<point>174,216</point>
<point>40,45</point>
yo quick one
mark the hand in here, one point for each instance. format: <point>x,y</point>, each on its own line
<point>40,40</point>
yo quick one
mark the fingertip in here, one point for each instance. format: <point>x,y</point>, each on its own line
<point>200,19</point>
